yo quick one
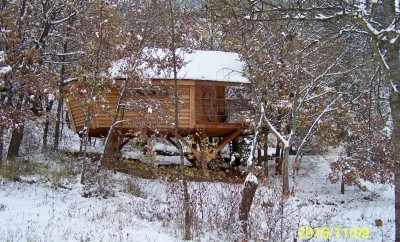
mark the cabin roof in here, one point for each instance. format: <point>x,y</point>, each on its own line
<point>199,65</point>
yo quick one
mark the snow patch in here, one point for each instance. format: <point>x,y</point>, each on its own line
<point>39,213</point>
<point>251,178</point>
<point>5,69</point>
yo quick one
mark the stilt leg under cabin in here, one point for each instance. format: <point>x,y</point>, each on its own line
<point>201,152</point>
<point>204,155</point>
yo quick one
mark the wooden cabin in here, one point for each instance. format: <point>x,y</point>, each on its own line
<point>204,105</point>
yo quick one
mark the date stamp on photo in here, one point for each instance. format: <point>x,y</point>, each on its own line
<point>328,233</point>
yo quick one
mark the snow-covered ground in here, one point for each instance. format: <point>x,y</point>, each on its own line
<point>353,210</point>
<point>38,212</point>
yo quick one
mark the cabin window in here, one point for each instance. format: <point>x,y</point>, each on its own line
<point>211,104</point>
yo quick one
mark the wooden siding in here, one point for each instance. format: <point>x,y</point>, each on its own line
<point>76,111</point>
<point>162,115</point>
<point>195,111</point>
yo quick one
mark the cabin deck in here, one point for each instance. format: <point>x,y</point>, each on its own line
<point>211,130</point>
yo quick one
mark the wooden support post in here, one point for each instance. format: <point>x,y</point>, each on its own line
<point>225,141</point>
<point>203,157</point>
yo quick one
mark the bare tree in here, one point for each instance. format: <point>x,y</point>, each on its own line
<point>26,44</point>
<point>377,21</point>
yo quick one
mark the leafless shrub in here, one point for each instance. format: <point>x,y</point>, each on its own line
<point>97,182</point>
<point>272,217</point>
<point>215,208</point>
<point>173,215</point>
<point>132,187</point>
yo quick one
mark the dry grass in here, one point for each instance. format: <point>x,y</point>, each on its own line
<point>174,172</point>
<point>14,169</point>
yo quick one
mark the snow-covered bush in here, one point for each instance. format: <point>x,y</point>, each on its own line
<point>97,182</point>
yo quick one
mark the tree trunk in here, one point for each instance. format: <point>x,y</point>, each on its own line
<point>60,103</point>
<point>265,162</point>
<point>15,143</point>
<point>59,110</point>
<point>394,76</point>
<point>285,171</point>
<point>82,147</point>
<point>62,118</point>
<point>395,110</point>
<point>186,196</point>
<point>45,134</point>
<point>112,151</point>
<point>187,234</point>
<point>278,166</point>
<point>1,146</point>
<point>266,172</point>
<point>58,121</point>
<point>81,144</point>
<point>278,149</point>
<point>248,192</point>
<point>342,185</point>
<point>393,64</point>
<point>49,105</point>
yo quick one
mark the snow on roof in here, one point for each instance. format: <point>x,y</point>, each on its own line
<point>198,65</point>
